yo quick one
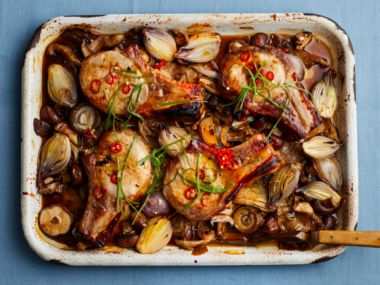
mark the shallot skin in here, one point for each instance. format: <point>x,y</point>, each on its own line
<point>157,205</point>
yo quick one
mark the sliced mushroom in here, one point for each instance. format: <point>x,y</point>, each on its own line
<point>320,209</point>
<point>303,39</point>
<point>221,222</point>
<point>190,245</point>
<point>83,117</point>
<point>207,131</point>
<point>42,128</point>
<point>309,59</point>
<point>181,226</point>
<point>224,136</point>
<point>259,40</point>
<point>127,237</point>
<point>230,135</point>
<point>113,41</point>
<point>68,51</point>
<point>236,44</point>
<point>49,115</point>
<point>248,219</point>
<point>55,220</point>
<point>64,128</point>
<point>209,84</point>
<point>52,188</point>
<point>179,37</point>
<point>206,233</point>
<point>90,46</point>
<point>224,115</point>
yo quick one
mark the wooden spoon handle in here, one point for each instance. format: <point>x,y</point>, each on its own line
<point>370,239</point>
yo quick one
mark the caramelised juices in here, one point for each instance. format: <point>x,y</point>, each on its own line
<point>156,138</point>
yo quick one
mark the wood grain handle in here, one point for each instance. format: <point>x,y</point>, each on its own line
<point>370,239</point>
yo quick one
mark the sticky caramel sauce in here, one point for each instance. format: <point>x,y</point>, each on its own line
<point>70,198</point>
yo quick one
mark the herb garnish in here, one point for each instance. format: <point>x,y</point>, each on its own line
<point>157,158</point>
<point>201,187</point>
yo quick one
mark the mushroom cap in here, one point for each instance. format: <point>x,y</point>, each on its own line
<point>222,219</point>
<point>83,117</point>
<point>55,220</point>
<point>247,219</point>
<point>207,131</point>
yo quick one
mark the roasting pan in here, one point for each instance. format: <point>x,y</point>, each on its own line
<point>225,24</point>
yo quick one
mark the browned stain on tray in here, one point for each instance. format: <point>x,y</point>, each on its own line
<point>246,28</point>
<point>198,28</point>
<point>234,252</point>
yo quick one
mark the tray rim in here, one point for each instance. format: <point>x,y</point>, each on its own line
<point>55,255</point>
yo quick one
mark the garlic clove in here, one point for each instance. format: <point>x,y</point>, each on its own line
<point>155,236</point>
<point>201,47</point>
<point>199,54</point>
<point>169,135</point>
<point>320,146</point>
<point>255,196</point>
<point>324,96</point>
<point>202,39</point>
<point>321,191</point>
<point>283,183</point>
<point>160,44</point>
<point>55,156</point>
<point>62,86</point>
<point>329,171</point>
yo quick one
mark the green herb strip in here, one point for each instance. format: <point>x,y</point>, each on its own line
<point>120,175</point>
<point>157,159</point>
<point>201,187</point>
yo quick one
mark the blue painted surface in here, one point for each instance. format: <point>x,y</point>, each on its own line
<point>20,265</point>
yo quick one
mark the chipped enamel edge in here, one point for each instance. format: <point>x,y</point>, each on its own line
<point>324,28</point>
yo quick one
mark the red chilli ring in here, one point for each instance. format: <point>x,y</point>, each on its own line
<point>191,193</point>
<point>116,147</point>
<point>126,89</point>
<point>100,192</point>
<point>95,85</point>
<point>224,165</point>
<point>224,156</point>
<point>245,56</point>
<point>270,75</point>
<point>110,79</point>
<point>203,201</point>
<point>114,177</point>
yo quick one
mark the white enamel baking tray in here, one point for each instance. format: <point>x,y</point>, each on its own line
<point>225,24</point>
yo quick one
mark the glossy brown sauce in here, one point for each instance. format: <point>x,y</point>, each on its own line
<point>70,198</point>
